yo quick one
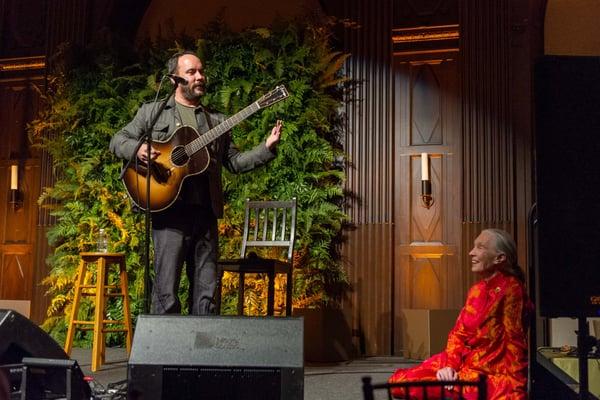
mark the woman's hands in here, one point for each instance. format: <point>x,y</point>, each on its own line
<point>446,374</point>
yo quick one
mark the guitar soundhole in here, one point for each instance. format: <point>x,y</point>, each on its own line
<point>179,157</point>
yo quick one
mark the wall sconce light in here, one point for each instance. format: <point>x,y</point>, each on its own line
<point>14,196</point>
<point>426,197</point>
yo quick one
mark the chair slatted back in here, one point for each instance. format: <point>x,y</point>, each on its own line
<point>269,224</point>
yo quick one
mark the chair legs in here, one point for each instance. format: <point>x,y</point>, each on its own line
<point>217,295</point>
<point>240,303</point>
<point>271,294</point>
<point>289,286</point>
<point>241,292</point>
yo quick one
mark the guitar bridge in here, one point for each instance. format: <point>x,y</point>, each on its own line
<point>159,172</point>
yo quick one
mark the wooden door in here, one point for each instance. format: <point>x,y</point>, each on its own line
<point>426,240</point>
<point>19,278</point>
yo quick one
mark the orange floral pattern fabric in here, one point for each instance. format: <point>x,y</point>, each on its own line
<point>489,337</point>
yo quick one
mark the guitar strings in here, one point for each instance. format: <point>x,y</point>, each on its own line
<point>179,157</point>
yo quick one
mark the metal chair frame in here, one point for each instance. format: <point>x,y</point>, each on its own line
<point>480,384</point>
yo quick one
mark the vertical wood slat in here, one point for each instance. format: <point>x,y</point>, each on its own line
<point>368,138</point>
<point>40,300</point>
<point>487,135</point>
<point>369,146</point>
<point>371,277</point>
<point>486,125</point>
<point>67,21</point>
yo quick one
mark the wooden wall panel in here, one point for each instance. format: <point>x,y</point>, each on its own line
<point>488,141</point>
<point>496,118</point>
<point>16,272</point>
<point>16,224</point>
<point>426,240</point>
<point>425,104</point>
<point>413,13</point>
<point>367,258</point>
<point>17,236</point>
<point>20,103</point>
<point>368,142</point>
<point>39,300</point>
<point>369,145</point>
<point>22,27</point>
<point>68,21</point>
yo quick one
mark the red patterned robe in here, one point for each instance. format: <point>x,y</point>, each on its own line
<point>489,337</point>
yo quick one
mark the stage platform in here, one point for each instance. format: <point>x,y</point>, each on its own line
<point>321,381</point>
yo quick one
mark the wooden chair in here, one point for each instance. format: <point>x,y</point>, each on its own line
<point>267,224</point>
<point>429,389</point>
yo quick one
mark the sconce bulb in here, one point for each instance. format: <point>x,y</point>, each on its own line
<point>424,166</point>
<point>14,177</point>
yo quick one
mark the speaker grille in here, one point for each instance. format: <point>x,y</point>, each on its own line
<point>187,357</point>
<point>221,383</point>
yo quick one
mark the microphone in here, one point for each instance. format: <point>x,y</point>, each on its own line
<point>178,80</point>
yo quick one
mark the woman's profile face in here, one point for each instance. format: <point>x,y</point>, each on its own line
<point>484,256</point>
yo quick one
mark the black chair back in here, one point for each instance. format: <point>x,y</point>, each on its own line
<point>442,391</point>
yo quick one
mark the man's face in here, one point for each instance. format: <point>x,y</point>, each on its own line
<point>190,67</point>
<point>484,256</point>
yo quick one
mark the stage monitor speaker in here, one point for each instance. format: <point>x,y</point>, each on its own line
<point>20,338</point>
<point>47,378</point>
<point>567,97</point>
<point>216,357</point>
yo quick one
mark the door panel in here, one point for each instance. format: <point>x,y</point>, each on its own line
<point>426,239</point>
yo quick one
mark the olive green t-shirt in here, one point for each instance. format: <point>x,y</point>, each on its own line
<point>188,115</point>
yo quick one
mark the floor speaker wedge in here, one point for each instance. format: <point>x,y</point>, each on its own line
<point>216,357</point>
<point>567,97</point>
<point>22,339</point>
<point>19,337</point>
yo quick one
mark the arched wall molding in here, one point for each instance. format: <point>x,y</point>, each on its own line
<point>571,28</point>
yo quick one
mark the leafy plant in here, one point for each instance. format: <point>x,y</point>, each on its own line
<point>101,92</point>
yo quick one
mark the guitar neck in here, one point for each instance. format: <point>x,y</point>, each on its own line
<point>213,134</point>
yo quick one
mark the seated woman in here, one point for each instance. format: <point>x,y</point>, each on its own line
<point>490,334</point>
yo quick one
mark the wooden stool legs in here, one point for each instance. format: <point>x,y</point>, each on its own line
<point>100,291</point>
<point>75,307</point>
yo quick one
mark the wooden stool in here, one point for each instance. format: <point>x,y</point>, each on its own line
<point>100,291</point>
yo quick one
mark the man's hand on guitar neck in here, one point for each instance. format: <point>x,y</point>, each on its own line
<point>275,135</point>
<point>142,153</point>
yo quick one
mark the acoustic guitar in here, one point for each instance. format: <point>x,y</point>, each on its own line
<point>183,154</point>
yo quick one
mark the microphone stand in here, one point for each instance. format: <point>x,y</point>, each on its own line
<point>147,137</point>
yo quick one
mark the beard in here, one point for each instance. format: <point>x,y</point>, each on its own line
<point>194,91</point>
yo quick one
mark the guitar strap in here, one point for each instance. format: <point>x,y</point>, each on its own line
<point>207,116</point>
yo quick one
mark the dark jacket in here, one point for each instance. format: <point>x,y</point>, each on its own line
<point>223,151</point>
